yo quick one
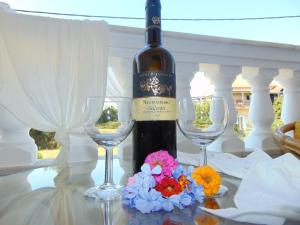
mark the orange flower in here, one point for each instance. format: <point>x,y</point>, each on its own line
<point>209,178</point>
<point>183,181</point>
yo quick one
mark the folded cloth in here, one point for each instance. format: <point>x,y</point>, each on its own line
<point>225,162</point>
<point>268,194</point>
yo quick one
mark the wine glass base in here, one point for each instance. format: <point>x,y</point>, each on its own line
<point>222,191</point>
<point>104,192</point>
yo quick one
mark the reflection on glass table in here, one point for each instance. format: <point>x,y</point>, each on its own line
<point>26,199</point>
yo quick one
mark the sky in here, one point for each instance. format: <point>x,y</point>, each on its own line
<point>277,31</point>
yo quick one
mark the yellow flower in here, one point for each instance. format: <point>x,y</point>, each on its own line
<point>208,178</point>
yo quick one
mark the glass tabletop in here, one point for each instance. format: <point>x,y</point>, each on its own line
<point>54,196</point>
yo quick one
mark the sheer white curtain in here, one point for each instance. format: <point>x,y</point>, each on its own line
<point>48,67</point>
<point>115,86</point>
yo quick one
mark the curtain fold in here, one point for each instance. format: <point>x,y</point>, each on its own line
<point>48,67</point>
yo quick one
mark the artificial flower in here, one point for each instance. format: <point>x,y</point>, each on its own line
<point>167,204</point>
<point>179,171</point>
<point>196,191</point>
<point>131,180</point>
<point>209,178</point>
<point>185,200</point>
<point>183,182</point>
<point>141,181</point>
<point>162,184</point>
<point>165,161</point>
<point>168,187</point>
<point>148,173</point>
<point>180,201</point>
<point>148,201</point>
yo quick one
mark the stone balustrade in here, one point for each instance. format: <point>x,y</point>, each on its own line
<point>221,60</point>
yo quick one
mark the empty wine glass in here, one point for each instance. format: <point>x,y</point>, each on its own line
<point>203,120</point>
<point>109,122</point>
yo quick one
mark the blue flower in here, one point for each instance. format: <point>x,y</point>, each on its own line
<point>185,199</point>
<point>145,178</point>
<point>166,204</point>
<point>197,191</point>
<point>140,191</point>
<point>180,201</point>
<point>148,201</point>
<point>180,170</point>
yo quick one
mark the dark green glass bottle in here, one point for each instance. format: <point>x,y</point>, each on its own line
<point>154,92</point>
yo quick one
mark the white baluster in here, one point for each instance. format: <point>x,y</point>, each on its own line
<point>16,146</point>
<point>222,77</point>
<point>290,80</point>
<point>185,72</point>
<point>261,110</point>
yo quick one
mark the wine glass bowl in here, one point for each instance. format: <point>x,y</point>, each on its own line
<point>202,119</point>
<point>109,122</point>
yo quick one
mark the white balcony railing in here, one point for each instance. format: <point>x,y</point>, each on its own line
<point>221,60</point>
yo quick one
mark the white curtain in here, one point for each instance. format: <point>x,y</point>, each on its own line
<point>48,67</point>
<point>115,86</point>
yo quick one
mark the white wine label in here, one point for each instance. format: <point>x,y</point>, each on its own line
<point>154,108</point>
<point>154,96</point>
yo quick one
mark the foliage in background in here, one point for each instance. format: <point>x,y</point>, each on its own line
<point>44,140</point>
<point>277,106</point>
<point>109,118</point>
<point>240,132</point>
<point>40,155</point>
<point>108,114</point>
<point>202,115</point>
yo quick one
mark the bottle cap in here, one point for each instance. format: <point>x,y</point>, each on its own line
<point>153,2</point>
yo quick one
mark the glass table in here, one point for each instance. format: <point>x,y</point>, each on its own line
<point>53,196</point>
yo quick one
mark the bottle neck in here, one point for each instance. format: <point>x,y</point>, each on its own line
<point>153,23</point>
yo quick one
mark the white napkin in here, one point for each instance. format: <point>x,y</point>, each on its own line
<point>268,193</point>
<point>225,162</point>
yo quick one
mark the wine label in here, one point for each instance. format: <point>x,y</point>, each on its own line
<point>154,108</point>
<point>154,96</point>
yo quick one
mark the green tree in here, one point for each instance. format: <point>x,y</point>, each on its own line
<point>202,114</point>
<point>44,140</point>
<point>108,114</point>
<point>277,106</point>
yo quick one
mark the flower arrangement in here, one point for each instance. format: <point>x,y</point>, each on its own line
<point>163,184</point>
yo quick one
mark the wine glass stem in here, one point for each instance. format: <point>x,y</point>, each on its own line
<point>108,179</point>
<point>107,220</point>
<point>203,149</point>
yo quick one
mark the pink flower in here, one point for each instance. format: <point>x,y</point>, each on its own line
<point>131,180</point>
<point>166,161</point>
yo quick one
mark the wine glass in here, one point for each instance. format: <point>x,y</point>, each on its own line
<point>202,120</point>
<point>108,123</point>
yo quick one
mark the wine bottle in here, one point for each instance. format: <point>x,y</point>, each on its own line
<point>154,93</point>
